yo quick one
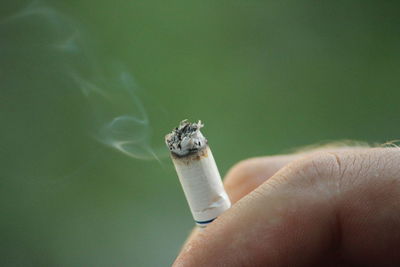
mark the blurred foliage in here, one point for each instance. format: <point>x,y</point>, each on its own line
<point>264,76</point>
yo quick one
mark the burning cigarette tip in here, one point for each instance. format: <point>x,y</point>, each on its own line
<point>186,138</point>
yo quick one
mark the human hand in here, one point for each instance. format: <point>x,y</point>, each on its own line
<point>330,207</point>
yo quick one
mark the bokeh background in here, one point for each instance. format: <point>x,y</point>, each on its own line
<point>89,89</point>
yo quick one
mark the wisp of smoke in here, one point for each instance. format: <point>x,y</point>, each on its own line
<point>53,42</point>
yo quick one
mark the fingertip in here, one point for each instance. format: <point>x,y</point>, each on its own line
<point>242,178</point>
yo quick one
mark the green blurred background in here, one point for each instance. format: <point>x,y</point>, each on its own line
<point>264,76</point>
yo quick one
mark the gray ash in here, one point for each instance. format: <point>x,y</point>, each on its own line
<point>186,138</point>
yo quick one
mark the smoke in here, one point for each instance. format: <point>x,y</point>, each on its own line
<point>123,123</point>
<point>56,46</point>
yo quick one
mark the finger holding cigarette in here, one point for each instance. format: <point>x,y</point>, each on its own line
<point>247,175</point>
<point>197,172</point>
<point>327,208</point>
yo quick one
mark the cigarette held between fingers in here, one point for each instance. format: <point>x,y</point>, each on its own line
<point>197,172</point>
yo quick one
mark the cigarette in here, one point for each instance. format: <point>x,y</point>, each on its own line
<point>197,172</point>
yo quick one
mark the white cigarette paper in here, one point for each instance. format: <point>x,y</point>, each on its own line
<point>197,172</point>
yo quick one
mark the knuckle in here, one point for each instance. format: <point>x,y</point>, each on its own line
<point>321,164</point>
<point>319,168</point>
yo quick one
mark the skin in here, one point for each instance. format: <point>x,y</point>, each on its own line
<point>328,207</point>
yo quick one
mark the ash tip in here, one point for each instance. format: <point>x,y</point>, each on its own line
<point>186,138</point>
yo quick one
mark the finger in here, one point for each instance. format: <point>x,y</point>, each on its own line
<point>306,212</point>
<point>248,174</point>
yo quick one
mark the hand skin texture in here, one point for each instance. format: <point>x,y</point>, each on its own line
<point>330,207</point>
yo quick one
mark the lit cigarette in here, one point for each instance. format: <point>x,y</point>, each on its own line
<point>197,172</point>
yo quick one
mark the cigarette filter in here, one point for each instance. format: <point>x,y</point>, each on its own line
<point>197,172</point>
